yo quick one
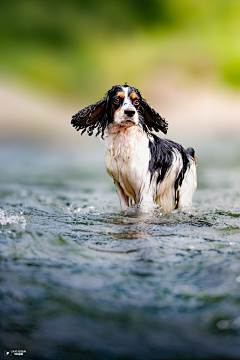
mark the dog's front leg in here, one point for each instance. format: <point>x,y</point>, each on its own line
<point>124,199</point>
<point>146,202</point>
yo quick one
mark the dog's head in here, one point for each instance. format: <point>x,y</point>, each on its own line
<point>122,105</point>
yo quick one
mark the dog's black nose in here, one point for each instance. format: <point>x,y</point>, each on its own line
<point>129,112</point>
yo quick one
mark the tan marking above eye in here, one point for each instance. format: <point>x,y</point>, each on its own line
<point>121,95</point>
<point>133,96</point>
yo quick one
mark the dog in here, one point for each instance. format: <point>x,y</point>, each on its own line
<point>146,169</point>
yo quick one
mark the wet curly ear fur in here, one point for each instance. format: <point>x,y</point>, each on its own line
<point>152,120</point>
<point>92,117</point>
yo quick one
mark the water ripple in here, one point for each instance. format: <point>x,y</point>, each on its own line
<point>80,279</point>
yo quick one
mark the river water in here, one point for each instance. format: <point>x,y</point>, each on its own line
<point>81,280</point>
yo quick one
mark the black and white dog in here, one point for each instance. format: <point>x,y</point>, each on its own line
<point>145,168</point>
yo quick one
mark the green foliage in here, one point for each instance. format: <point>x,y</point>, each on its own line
<point>79,47</point>
<point>232,73</point>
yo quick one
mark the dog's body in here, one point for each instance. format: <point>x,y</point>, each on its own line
<point>145,168</point>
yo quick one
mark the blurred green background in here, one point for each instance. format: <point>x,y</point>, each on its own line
<point>69,53</point>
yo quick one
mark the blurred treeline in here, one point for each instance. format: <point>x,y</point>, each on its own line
<point>74,47</point>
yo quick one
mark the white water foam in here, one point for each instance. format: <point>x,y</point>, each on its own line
<point>12,219</point>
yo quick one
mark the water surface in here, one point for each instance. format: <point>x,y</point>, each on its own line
<point>81,280</point>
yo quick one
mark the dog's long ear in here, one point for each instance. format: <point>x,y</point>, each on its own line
<point>152,120</point>
<point>91,117</point>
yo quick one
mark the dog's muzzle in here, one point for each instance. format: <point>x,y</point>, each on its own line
<point>127,116</point>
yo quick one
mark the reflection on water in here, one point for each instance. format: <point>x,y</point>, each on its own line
<point>81,280</point>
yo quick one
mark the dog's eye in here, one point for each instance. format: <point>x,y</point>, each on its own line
<point>136,102</point>
<point>116,101</point>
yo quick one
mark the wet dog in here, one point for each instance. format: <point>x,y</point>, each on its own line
<point>145,168</point>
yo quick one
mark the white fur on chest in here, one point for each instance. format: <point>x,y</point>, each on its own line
<point>127,158</point>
